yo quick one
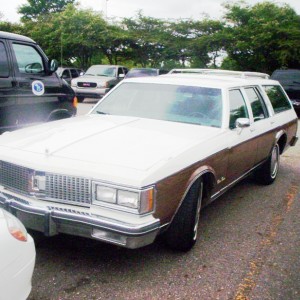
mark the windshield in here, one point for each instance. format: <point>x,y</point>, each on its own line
<point>101,71</point>
<point>185,104</point>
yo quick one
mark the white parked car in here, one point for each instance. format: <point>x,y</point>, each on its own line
<point>17,258</point>
<point>97,81</point>
<point>148,156</point>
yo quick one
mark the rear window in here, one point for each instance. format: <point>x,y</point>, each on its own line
<point>277,97</point>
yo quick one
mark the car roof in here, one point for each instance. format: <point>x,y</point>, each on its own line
<point>13,36</point>
<point>207,80</point>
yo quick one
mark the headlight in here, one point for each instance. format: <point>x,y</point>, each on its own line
<point>136,201</point>
<point>106,194</point>
<point>103,84</point>
<point>128,199</point>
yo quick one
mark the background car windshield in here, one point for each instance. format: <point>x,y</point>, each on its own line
<point>101,71</point>
<point>185,104</point>
<point>141,73</point>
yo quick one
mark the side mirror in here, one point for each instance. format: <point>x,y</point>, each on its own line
<point>242,123</point>
<point>53,65</point>
<point>121,76</point>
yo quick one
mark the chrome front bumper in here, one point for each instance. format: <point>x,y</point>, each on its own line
<point>53,220</point>
<point>90,92</point>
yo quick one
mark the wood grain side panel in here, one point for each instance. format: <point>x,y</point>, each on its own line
<point>171,190</point>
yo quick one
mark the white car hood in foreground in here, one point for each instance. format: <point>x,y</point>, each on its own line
<point>105,141</point>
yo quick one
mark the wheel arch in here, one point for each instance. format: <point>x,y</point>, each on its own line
<point>209,181</point>
<point>281,140</point>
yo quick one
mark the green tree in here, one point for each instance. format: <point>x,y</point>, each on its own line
<point>35,8</point>
<point>71,36</point>
<point>262,37</point>
<point>145,37</point>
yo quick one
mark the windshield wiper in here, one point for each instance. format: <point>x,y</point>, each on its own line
<point>89,74</point>
<point>101,112</point>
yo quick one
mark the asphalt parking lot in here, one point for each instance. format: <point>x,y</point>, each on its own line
<point>249,248</point>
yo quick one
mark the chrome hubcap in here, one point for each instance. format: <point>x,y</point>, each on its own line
<point>274,161</point>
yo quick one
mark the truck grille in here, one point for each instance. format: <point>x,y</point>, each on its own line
<point>87,84</point>
<point>58,188</point>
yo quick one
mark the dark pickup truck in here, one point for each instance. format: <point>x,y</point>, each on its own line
<point>30,90</point>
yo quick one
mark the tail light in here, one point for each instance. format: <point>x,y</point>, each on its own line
<point>15,227</point>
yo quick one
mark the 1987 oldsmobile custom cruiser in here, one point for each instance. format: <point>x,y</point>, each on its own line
<point>149,155</point>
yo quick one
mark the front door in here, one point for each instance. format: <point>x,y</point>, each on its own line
<point>243,144</point>
<point>38,92</point>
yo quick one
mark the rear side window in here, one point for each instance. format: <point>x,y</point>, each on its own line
<point>238,108</point>
<point>257,104</point>
<point>28,59</point>
<point>277,97</point>
<point>4,69</point>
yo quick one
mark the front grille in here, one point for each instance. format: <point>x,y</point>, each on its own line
<point>58,188</point>
<point>87,84</point>
<point>68,188</point>
<point>15,177</point>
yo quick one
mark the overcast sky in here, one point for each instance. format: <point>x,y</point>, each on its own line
<point>163,9</point>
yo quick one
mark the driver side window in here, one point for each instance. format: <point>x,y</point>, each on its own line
<point>28,59</point>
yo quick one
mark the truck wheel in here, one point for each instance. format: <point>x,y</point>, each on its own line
<point>183,231</point>
<point>267,173</point>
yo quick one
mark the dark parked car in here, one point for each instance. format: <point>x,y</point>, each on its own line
<point>30,90</point>
<point>142,72</point>
<point>68,73</point>
<point>290,80</point>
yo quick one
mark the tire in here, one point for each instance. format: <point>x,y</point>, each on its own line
<point>80,99</point>
<point>267,173</point>
<point>183,231</point>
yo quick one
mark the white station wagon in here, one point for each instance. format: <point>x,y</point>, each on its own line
<point>148,156</point>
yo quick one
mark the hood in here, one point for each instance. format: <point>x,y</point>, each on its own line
<point>97,79</point>
<point>126,142</point>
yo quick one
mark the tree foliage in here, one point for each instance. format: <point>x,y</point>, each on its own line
<point>36,8</point>
<point>261,37</point>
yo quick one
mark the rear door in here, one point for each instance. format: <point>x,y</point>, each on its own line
<point>262,126</point>
<point>37,92</point>
<point>8,89</point>
<point>243,148</point>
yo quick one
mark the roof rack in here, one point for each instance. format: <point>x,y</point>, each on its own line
<point>219,72</point>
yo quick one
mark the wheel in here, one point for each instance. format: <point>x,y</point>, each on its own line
<point>267,173</point>
<point>80,99</point>
<point>183,231</point>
